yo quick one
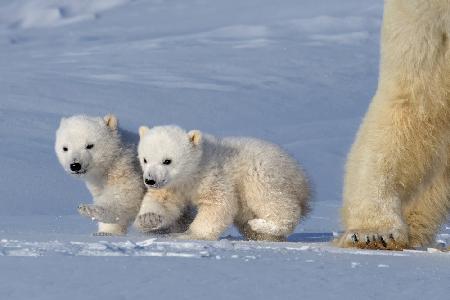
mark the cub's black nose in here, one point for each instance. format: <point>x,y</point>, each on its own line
<point>150,182</point>
<point>75,167</point>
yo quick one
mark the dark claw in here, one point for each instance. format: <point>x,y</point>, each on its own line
<point>391,236</point>
<point>383,242</point>
<point>354,238</point>
<point>367,240</point>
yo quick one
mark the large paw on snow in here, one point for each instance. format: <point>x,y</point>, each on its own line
<point>149,222</point>
<point>394,239</point>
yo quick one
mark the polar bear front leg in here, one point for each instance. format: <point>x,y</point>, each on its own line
<point>98,213</point>
<point>107,225</point>
<point>209,224</point>
<point>402,143</point>
<point>159,210</point>
<point>387,166</point>
<point>372,213</point>
<point>216,211</point>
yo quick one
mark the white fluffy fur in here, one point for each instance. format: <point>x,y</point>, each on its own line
<point>248,182</point>
<point>397,183</point>
<point>110,169</point>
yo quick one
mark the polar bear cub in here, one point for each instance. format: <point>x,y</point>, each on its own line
<point>91,148</point>
<point>248,182</point>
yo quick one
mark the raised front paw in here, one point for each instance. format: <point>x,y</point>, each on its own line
<point>394,239</point>
<point>97,213</point>
<point>86,210</point>
<point>149,222</point>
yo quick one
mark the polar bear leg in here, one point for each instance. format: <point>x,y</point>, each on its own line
<point>106,226</point>
<point>216,209</point>
<point>382,181</point>
<point>429,211</point>
<point>162,210</point>
<point>154,215</point>
<point>273,212</point>
<point>98,213</point>
<point>263,230</point>
<point>401,144</point>
<point>211,221</point>
<point>252,235</point>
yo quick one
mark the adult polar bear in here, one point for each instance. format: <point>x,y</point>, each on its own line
<point>397,184</point>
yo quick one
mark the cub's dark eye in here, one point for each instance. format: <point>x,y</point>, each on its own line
<point>89,146</point>
<point>65,149</point>
<point>145,161</point>
<point>167,162</point>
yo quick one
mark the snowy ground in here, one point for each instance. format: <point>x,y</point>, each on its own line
<point>298,73</point>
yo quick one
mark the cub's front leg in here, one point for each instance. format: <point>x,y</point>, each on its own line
<point>160,210</point>
<point>215,213</point>
<point>108,222</point>
<point>97,213</point>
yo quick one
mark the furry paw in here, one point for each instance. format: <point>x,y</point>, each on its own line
<point>149,222</point>
<point>87,211</point>
<point>97,213</point>
<point>383,240</point>
<point>264,226</point>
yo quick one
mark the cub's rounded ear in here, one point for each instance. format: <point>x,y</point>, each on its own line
<point>111,121</point>
<point>143,130</point>
<point>195,137</point>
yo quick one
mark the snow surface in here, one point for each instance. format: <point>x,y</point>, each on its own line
<point>298,73</point>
